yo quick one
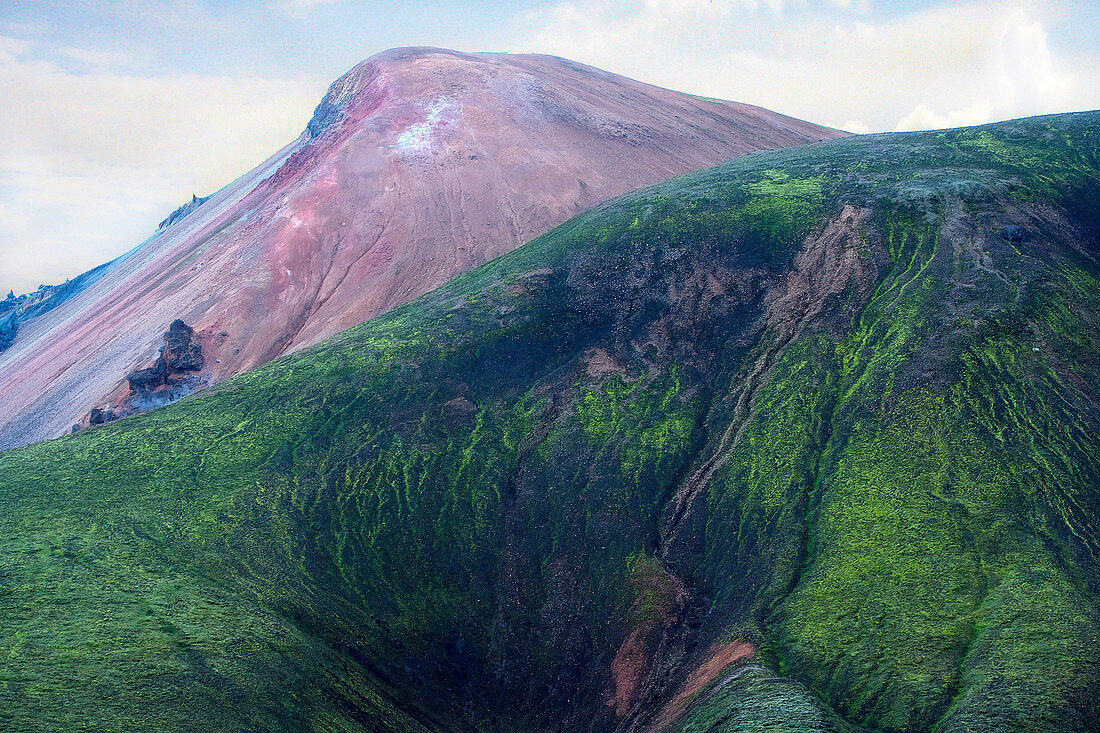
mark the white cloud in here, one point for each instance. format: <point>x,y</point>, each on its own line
<point>858,6</point>
<point>1019,77</point>
<point>941,65</point>
<point>1026,71</point>
<point>924,118</point>
<point>95,57</point>
<point>94,160</point>
<point>857,126</point>
<point>708,8</point>
<point>11,47</point>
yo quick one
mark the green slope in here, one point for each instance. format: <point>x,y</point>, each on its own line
<point>808,441</point>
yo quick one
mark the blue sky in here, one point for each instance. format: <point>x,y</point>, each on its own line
<point>117,112</point>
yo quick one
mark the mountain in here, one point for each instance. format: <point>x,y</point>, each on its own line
<point>418,165</point>
<point>808,441</point>
<point>15,310</point>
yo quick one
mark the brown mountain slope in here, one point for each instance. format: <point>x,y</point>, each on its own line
<point>418,165</point>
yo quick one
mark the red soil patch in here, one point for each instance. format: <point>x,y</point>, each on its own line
<point>627,669</point>
<point>720,656</point>
<point>597,363</point>
<point>659,598</point>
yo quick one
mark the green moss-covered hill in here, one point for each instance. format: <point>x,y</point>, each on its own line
<point>808,441</point>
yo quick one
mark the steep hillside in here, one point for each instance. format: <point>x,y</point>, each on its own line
<point>15,310</point>
<point>418,165</point>
<point>808,441</point>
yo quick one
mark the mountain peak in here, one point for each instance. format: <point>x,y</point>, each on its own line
<point>417,165</point>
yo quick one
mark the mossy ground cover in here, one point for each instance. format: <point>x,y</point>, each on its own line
<point>438,519</point>
<point>752,700</point>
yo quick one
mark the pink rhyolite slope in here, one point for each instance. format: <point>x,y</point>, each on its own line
<point>436,162</point>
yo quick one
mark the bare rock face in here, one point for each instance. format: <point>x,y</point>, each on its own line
<point>172,376</point>
<point>15,310</point>
<point>183,211</point>
<point>99,416</point>
<point>182,351</point>
<point>418,165</point>
<point>1014,233</point>
<point>148,378</point>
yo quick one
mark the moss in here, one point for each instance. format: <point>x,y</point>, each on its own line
<point>439,520</point>
<point>755,701</point>
<point>653,589</point>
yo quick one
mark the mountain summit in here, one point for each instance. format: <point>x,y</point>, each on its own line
<point>419,164</point>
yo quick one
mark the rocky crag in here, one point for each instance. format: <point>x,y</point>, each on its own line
<point>182,211</point>
<point>174,374</point>
<point>15,310</point>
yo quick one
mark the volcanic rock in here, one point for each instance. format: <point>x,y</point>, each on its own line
<point>182,351</point>
<point>1014,233</point>
<point>325,114</point>
<point>183,211</point>
<point>170,377</point>
<point>17,310</point>
<point>8,330</point>
<point>99,416</point>
<point>148,378</point>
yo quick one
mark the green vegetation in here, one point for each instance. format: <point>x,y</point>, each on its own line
<point>454,516</point>
<point>755,701</point>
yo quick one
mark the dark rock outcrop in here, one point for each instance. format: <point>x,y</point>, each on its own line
<point>324,115</point>
<point>182,351</point>
<point>17,309</point>
<point>182,211</point>
<point>149,377</point>
<point>172,375</point>
<point>8,329</point>
<point>100,415</point>
<point>1014,233</point>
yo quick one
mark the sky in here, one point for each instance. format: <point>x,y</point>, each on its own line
<point>116,113</point>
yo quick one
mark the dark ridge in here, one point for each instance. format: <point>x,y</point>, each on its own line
<point>183,211</point>
<point>324,115</point>
<point>15,310</point>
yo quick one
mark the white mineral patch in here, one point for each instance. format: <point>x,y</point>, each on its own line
<point>416,139</point>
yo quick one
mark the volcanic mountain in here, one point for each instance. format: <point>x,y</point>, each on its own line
<point>418,165</point>
<point>809,441</point>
